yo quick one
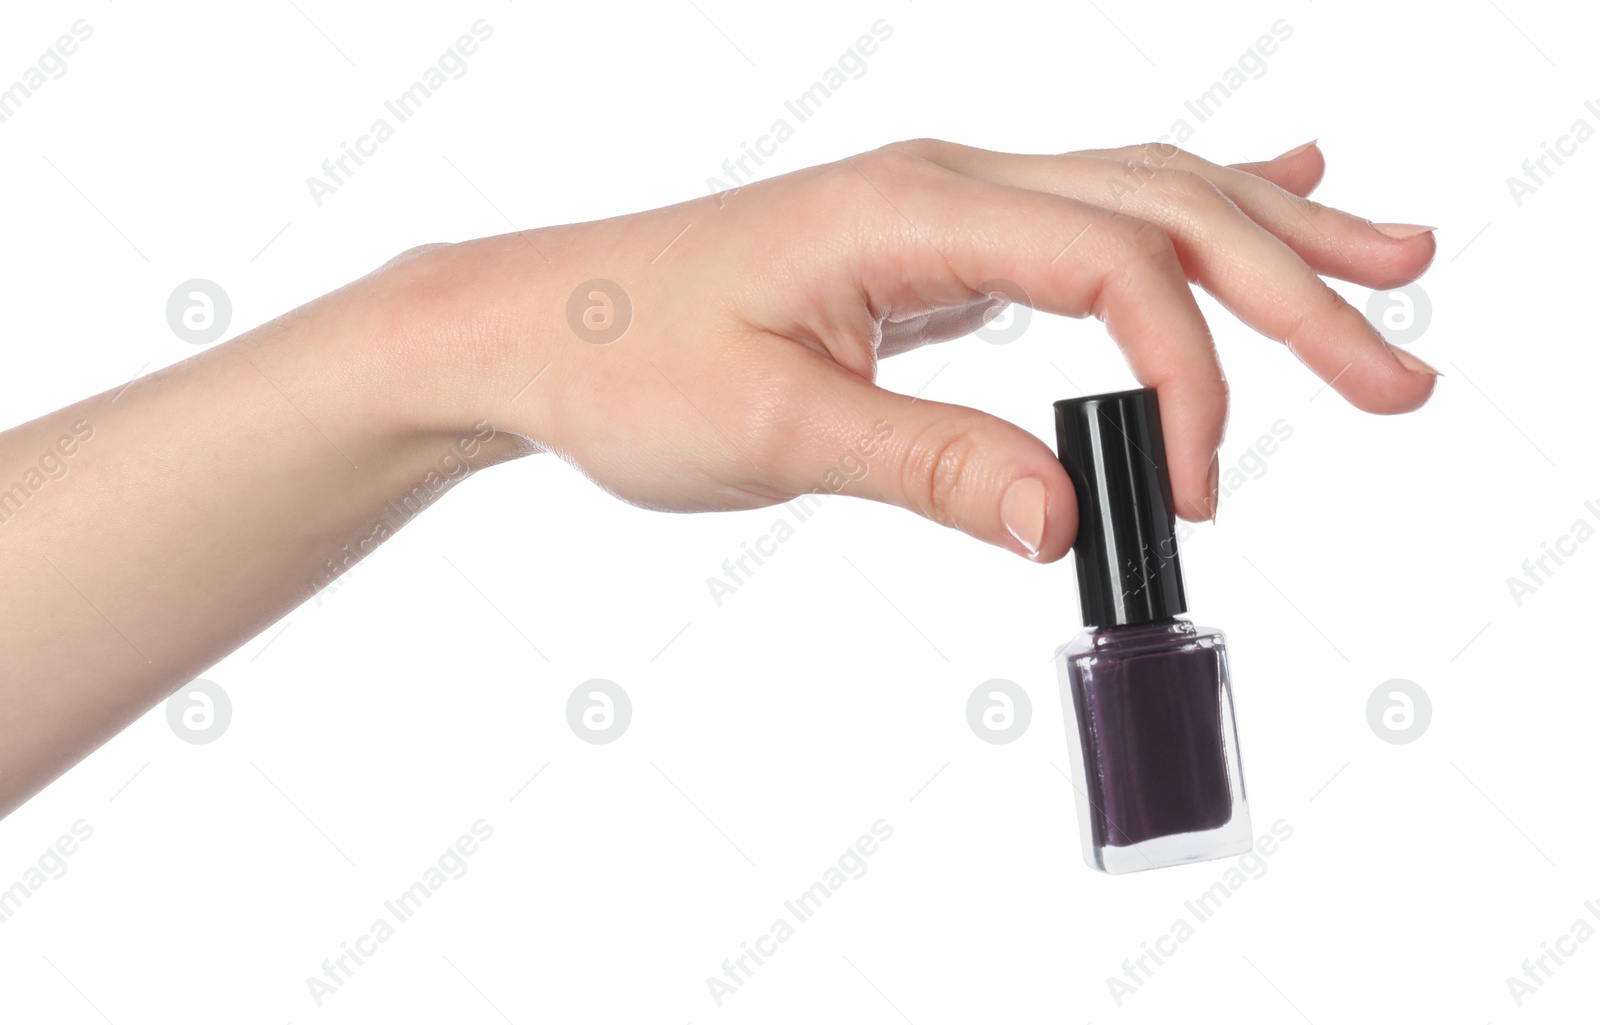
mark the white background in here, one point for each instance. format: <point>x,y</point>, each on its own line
<point>371,729</point>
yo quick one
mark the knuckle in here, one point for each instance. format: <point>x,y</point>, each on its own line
<point>415,251</point>
<point>1161,154</point>
<point>1143,241</point>
<point>894,162</point>
<point>937,463</point>
<point>1190,189</point>
<point>923,147</point>
<point>1330,303</point>
<point>427,273</point>
<point>1135,172</point>
<point>1215,387</point>
<point>862,181</point>
<point>1145,254</point>
<point>1326,306</point>
<point>1153,154</point>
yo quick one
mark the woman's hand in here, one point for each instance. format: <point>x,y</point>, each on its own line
<point>744,375</point>
<point>718,354</point>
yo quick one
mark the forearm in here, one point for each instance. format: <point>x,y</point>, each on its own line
<point>190,510</point>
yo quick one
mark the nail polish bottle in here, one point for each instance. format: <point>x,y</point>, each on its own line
<point>1155,757</point>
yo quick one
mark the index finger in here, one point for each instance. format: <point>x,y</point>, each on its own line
<point>940,236</point>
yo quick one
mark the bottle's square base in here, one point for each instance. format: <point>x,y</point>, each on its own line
<point>1163,851</point>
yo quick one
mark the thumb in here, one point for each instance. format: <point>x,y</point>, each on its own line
<point>954,465</point>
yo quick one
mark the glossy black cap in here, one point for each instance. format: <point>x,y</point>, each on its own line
<point>1127,547</point>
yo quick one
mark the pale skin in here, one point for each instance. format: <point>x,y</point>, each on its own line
<point>211,495</point>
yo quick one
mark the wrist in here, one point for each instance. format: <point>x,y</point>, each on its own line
<point>464,345</point>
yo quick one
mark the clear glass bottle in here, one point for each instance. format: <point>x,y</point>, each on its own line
<point>1155,756</point>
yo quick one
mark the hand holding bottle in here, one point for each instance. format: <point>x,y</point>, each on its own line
<point>746,370</point>
<point>759,316</point>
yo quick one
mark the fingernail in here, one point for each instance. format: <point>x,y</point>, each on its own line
<point>1211,485</point>
<point>1401,232</point>
<point>1022,512</point>
<point>1296,151</point>
<point>1412,363</point>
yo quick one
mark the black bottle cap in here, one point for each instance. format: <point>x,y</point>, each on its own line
<point>1127,547</point>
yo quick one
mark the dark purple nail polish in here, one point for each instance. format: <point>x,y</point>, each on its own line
<point>1155,755</point>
